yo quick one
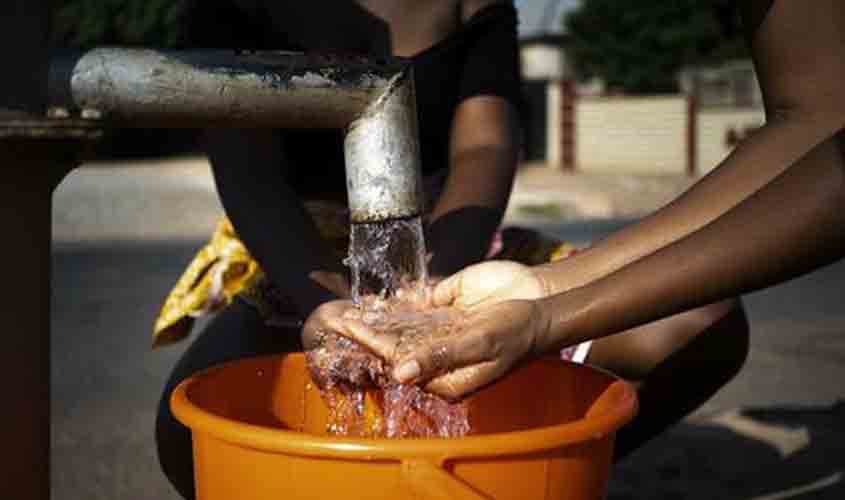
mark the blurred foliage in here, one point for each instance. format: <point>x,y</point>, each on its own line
<point>638,47</point>
<point>86,23</point>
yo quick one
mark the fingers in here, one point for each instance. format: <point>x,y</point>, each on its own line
<point>447,291</point>
<point>464,381</point>
<point>442,356</point>
<point>383,345</point>
<point>325,319</point>
<point>342,318</point>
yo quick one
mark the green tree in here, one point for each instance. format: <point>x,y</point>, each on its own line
<point>638,47</point>
<point>86,23</point>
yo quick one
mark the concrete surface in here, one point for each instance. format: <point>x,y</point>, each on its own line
<point>547,195</point>
<point>124,234</point>
<point>161,201</point>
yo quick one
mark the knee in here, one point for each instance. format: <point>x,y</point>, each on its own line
<point>708,339</point>
<point>174,448</point>
<point>720,344</point>
<point>731,335</point>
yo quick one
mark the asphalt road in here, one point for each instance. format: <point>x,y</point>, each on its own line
<point>106,380</point>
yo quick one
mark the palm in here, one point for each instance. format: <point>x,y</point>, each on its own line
<point>499,335</point>
<point>490,283</point>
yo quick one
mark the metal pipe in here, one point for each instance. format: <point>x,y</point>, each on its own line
<point>373,100</point>
<point>382,157</point>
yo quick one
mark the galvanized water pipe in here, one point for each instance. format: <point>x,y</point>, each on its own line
<point>372,100</point>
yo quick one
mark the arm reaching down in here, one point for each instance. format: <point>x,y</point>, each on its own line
<point>482,166</point>
<point>800,77</point>
<point>772,211</point>
<point>249,170</point>
<point>484,140</point>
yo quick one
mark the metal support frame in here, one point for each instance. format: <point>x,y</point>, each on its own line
<point>31,169</point>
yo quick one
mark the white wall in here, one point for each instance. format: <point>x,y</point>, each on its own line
<point>713,126</point>
<point>553,117</point>
<point>543,62</point>
<point>642,135</point>
<point>631,135</point>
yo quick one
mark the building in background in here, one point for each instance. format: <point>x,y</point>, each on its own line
<point>544,69</point>
<point>729,107</point>
<point>732,84</point>
<point>545,72</point>
<point>576,126</point>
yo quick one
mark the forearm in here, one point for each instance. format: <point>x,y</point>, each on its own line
<point>753,164</point>
<point>800,79</point>
<point>484,149</point>
<point>268,216</point>
<point>470,210</point>
<point>787,228</point>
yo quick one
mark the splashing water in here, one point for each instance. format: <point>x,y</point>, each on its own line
<point>387,261</point>
<point>386,257</point>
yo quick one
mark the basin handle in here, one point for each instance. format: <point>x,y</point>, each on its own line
<point>430,482</point>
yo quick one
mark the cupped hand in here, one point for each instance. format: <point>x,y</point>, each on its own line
<point>491,340</point>
<point>499,323</point>
<point>489,283</point>
<point>342,317</point>
<point>328,318</point>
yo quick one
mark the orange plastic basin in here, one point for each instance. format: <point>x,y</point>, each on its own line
<point>259,433</point>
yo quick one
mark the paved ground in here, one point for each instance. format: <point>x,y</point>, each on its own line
<point>543,192</point>
<point>117,253</point>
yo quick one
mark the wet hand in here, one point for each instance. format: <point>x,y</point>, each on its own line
<point>342,317</point>
<point>490,341</point>
<point>489,283</point>
<point>328,318</point>
<point>499,330</point>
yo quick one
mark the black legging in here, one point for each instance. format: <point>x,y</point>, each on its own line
<point>237,332</point>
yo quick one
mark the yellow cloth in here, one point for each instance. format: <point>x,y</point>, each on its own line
<point>220,271</point>
<point>223,269</point>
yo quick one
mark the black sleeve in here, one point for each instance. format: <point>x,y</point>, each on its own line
<point>754,12</point>
<point>492,59</point>
<point>221,24</point>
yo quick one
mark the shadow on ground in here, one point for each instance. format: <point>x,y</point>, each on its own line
<point>106,380</point>
<point>761,454</point>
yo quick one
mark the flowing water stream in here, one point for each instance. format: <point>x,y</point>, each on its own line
<point>389,279</point>
<point>385,257</point>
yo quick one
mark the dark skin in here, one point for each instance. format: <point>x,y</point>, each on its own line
<point>483,153</point>
<point>771,211</point>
